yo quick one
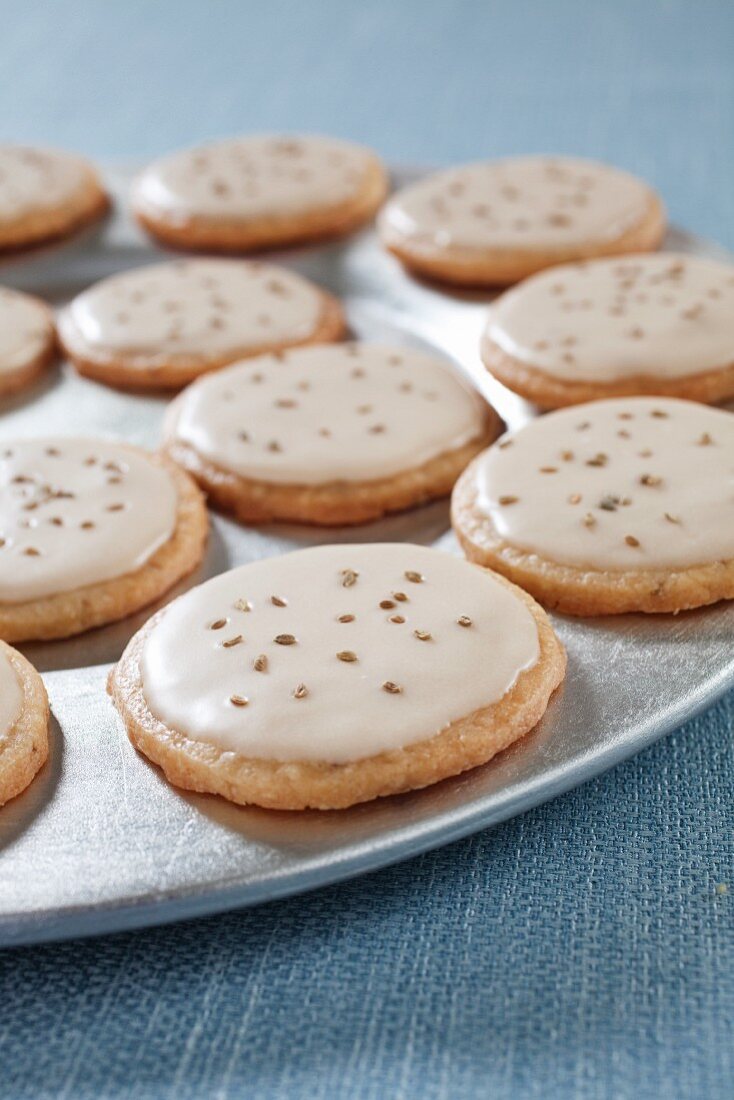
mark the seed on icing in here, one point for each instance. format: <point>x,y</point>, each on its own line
<point>598,460</point>
<point>300,692</point>
<point>274,446</point>
<point>400,597</point>
<point>567,456</point>
<point>286,403</point>
<point>87,525</point>
<point>115,507</point>
<point>659,414</point>
<point>575,498</point>
<point>705,440</point>
<point>548,469</point>
<point>347,655</point>
<point>650,479</point>
<point>243,605</point>
<point>377,429</point>
<point>284,639</point>
<point>397,619</point>
<point>239,700</point>
<point>278,601</point>
<point>589,520</point>
<point>346,619</point>
<point>692,313</point>
<point>260,664</point>
<point>218,624</point>
<point>631,540</point>
<point>391,688</point>
<point>423,635</point>
<point>232,641</point>
<point>671,519</point>
<point>415,578</point>
<point>508,499</point>
<point>464,620</point>
<point>609,504</point>
<point>349,577</point>
<point>387,604</point>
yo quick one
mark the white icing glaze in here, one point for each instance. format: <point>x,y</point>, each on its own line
<point>33,180</point>
<point>205,308</point>
<point>666,315</point>
<point>11,696</point>
<point>574,486</point>
<point>523,203</point>
<point>25,330</point>
<point>254,177</point>
<point>53,489</point>
<point>190,674</point>
<point>342,412</point>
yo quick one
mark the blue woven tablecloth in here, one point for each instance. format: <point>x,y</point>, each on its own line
<point>582,950</point>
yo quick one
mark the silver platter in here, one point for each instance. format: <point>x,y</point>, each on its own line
<point>100,842</point>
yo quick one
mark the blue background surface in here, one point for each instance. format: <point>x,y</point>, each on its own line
<point>581,950</point>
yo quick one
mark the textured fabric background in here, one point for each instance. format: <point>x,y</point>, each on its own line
<point>579,951</point>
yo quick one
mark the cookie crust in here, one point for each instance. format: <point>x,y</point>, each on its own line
<point>46,226</point>
<point>337,503</point>
<point>709,387</point>
<point>297,785</point>
<point>66,613</point>
<point>198,233</point>
<point>24,750</point>
<point>14,381</point>
<point>577,591</point>
<point>502,266</point>
<point>172,372</point>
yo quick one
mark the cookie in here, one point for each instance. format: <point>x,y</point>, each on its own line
<point>23,723</point>
<point>618,505</point>
<point>45,194</point>
<point>259,192</point>
<point>163,325</point>
<point>27,340</point>
<point>90,531</point>
<point>337,674</point>
<point>661,324</point>
<point>497,222</point>
<point>336,434</point>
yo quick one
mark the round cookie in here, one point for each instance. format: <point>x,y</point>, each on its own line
<point>163,325</point>
<point>27,340</point>
<point>258,192</point>
<point>337,434</point>
<point>45,194</point>
<point>90,531</point>
<point>336,674</point>
<point>496,222</point>
<point>618,505</point>
<point>653,324</point>
<point>23,723</point>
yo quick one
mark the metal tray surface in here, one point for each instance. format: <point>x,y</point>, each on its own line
<point>100,842</point>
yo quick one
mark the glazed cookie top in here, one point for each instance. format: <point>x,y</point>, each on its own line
<point>336,653</point>
<point>201,308</point>
<point>26,329</point>
<point>347,412</point>
<point>37,179</point>
<point>254,177</point>
<point>11,695</point>
<point>527,203</point>
<point>665,314</point>
<point>74,512</point>
<point>626,484</point>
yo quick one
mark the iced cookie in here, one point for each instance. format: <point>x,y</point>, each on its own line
<point>661,324</point>
<point>162,326</point>
<point>27,340</point>
<point>45,194</point>
<point>335,434</point>
<point>334,675</point>
<point>90,531</point>
<point>259,192</point>
<point>618,505</point>
<point>497,222</point>
<point>23,723</point>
